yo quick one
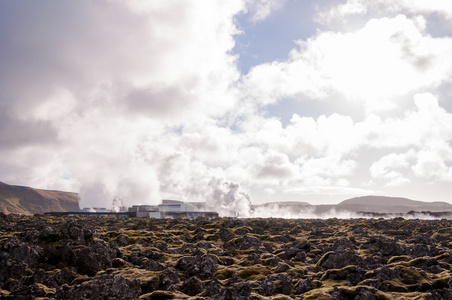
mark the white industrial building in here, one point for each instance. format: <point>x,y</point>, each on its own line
<point>169,209</point>
<point>175,205</point>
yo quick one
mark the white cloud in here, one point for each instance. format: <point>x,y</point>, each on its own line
<point>376,65</point>
<point>392,167</point>
<point>360,7</point>
<point>328,166</point>
<point>434,161</point>
<point>429,165</point>
<point>327,151</point>
<point>275,166</point>
<point>329,190</point>
<point>269,191</point>
<point>427,123</point>
<point>261,9</point>
<point>351,7</point>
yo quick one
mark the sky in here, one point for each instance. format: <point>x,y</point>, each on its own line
<point>230,102</point>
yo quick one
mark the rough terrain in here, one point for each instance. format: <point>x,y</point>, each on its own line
<point>68,258</point>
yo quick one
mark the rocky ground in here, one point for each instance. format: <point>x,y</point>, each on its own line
<point>67,258</point>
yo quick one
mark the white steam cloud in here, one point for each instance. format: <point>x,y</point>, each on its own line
<point>228,200</point>
<point>276,210</point>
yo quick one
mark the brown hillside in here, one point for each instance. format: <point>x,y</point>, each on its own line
<point>26,200</point>
<point>381,204</point>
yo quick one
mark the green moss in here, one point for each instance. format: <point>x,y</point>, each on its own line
<point>398,259</point>
<point>10,234</point>
<point>248,273</point>
<point>396,286</point>
<point>319,294</point>
<point>223,274</point>
<point>48,291</point>
<point>314,252</point>
<point>214,225</point>
<point>339,273</point>
<point>444,232</point>
<point>281,297</point>
<point>441,281</point>
<point>323,258</point>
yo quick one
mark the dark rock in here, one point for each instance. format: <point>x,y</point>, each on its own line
<point>192,286</point>
<point>340,259</point>
<point>122,240</point>
<point>423,250</point>
<point>240,291</point>
<point>60,256</point>
<point>268,287</point>
<point>65,276</point>
<point>439,294</point>
<point>102,287</point>
<point>225,234</point>
<point>303,286</point>
<point>31,292</point>
<point>168,277</point>
<point>212,288</point>
<point>202,266</point>
<point>91,259</point>
<point>386,246</point>
<point>119,263</point>
<point>243,243</point>
<point>152,265</point>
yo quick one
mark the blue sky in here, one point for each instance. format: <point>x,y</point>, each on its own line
<point>273,38</point>
<point>229,102</point>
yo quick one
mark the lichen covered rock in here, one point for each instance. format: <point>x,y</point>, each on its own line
<point>70,258</point>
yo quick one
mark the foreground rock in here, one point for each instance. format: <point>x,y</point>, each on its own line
<point>67,258</point>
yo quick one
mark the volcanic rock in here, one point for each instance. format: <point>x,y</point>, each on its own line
<point>96,258</point>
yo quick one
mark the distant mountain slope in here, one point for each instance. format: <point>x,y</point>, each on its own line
<point>382,204</point>
<point>366,205</point>
<point>26,200</point>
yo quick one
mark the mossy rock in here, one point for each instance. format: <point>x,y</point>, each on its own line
<point>164,295</point>
<point>4,294</point>
<point>443,232</point>
<point>441,280</point>
<point>323,258</point>
<point>249,273</point>
<point>339,273</point>
<point>399,258</point>
<point>224,274</point>
<point>319,294</point>
<point>281,297</point>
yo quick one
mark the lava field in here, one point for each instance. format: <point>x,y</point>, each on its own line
<point>225,258</point>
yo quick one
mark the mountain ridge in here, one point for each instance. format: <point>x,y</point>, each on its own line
<point>366,204</point>
<point>26,200</point>
<point>387,204</point>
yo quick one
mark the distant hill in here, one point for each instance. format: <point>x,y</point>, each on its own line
<point>382,204</point>
<point>366,205</point>
<point>26,200</point>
